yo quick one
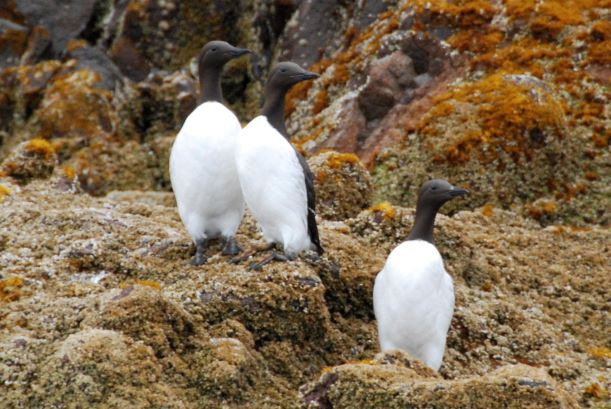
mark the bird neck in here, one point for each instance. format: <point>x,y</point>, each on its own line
<point>210,85</point>
<point>273,110</point>
<point>424,223</point>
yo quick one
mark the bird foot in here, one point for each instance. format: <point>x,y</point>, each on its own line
<point>231,247</point>
<point>311,258</point>
<point>275,256</point>
<point>251,252</point>
<point>200,253</point>
<point>199,259</point>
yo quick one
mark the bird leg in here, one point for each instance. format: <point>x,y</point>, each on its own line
<point>254,250</point>
<point>200,253</point>
<point>231,247</point>
<point>275,256</point>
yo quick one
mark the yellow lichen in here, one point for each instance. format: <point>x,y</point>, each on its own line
<point>506,110</point>
<point>488,210</point>
<point>69,172</point>
<point>600,352</point>
<point>40,146</point>
<point>75,44</point>
<point>146,283</point>
<point>4,191</point>
<point>597,391</point>
<point>542,208</point>
<point>10,289</point>
<point>385,209</point>
<point>336,160</point>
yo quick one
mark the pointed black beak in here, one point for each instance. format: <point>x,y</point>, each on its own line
<point>307,75</point>
<point>456,191</point>
<point>237,52</point>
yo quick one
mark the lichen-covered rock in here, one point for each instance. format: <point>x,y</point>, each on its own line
<point>503,137</point>
<point>32,159</point>
<point>100,367</point>
<point>395,381</point>
<point>343,185</point>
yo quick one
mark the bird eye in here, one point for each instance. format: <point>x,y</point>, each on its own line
<point>283,70</point>
<point>434,188</point>
<point>214,49</point>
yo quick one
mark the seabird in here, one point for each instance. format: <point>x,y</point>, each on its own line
<point>202,162</point>
<point>276,181</point>
<point>413,296</point>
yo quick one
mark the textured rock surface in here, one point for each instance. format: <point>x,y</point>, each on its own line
<point>343,186</point>
<point>394,380</point>
<point>99,306</point>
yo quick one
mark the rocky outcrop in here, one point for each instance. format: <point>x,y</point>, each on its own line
<point>99,306</point>
<point>97,284</point>
<point>395,380</point>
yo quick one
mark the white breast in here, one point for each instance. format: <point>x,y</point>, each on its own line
<point>413,300</point>
<point>273,184</point>
<point>203,172</point>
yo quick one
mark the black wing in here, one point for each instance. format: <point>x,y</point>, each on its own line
<point>309,182</point>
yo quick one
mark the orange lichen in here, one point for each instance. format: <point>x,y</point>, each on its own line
<point>146,283</point>
<point>552,16</point>
<point>542,208</point>
<point>460,13</point>
<point>591,175</point>
<point>4,191</point>
<point>75,44</point>
<point>337,160</point>
<point>597,391</point>
<point>600,53</point>
<point>519,9</point>
<point>519,56</point>
<point>387,210</point>
<point>320,101</point>
<point>10,289</point>
<point>475,41</point>
<point>69,172</point>
<point>40,146</point>
<point>600,352</point>
<point>601,30</point>
<point>488,210</point>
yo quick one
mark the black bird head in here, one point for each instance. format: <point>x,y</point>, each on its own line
<point>286,74</point>
<point>436,192</point>
<point>433,194</point>
<point>215,54</point>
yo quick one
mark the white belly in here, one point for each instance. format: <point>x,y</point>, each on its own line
<point>273,184</point>
<point>414,301</point>
<point>204,175</point>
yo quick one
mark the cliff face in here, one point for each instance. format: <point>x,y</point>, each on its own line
<point>99,306</point>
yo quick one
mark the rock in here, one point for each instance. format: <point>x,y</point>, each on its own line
<point>343,186</point>
<point>21,90</point>
<point>388,78</point>
<point>161,103</point>
<point>13,42</point>
<point>492,134</point>
<point>64,20</point>
<point>396,381</point>
<point>33,159</point>
<point>95,59</point>
<point>95,367</point>
<point>168,46</point>
<point>313,30</point>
